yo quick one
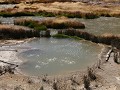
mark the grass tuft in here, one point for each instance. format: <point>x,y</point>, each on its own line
<point>17,32</point>
<point>30,23</point>
<point>60,36</point>
<point>56,23</point>
<point>65,36</point>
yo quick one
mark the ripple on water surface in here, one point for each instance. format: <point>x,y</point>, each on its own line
<point>54,56</point>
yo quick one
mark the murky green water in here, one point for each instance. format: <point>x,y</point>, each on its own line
<point>54,56</point>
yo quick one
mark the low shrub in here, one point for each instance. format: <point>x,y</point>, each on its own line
<point>40,28</point>
<point>30,24</point>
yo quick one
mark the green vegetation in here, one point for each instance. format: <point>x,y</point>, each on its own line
<point>65,36</point>
<point>50,14</point>
<point>60,36</point>
<point>33,24</point>
<point>40,28</point>
<point>76,38</point>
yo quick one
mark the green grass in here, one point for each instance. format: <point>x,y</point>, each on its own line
<point>75,37</point>
<point>40,28</point>
<point>33,24</point>
<point>62,36</point>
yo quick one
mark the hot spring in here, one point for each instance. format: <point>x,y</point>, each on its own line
<point>54,56</point>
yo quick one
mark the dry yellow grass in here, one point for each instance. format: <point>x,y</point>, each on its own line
<point>11,27</point>
<point>73,7</point>
<point>57,23</point>
<point>16,32</point>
